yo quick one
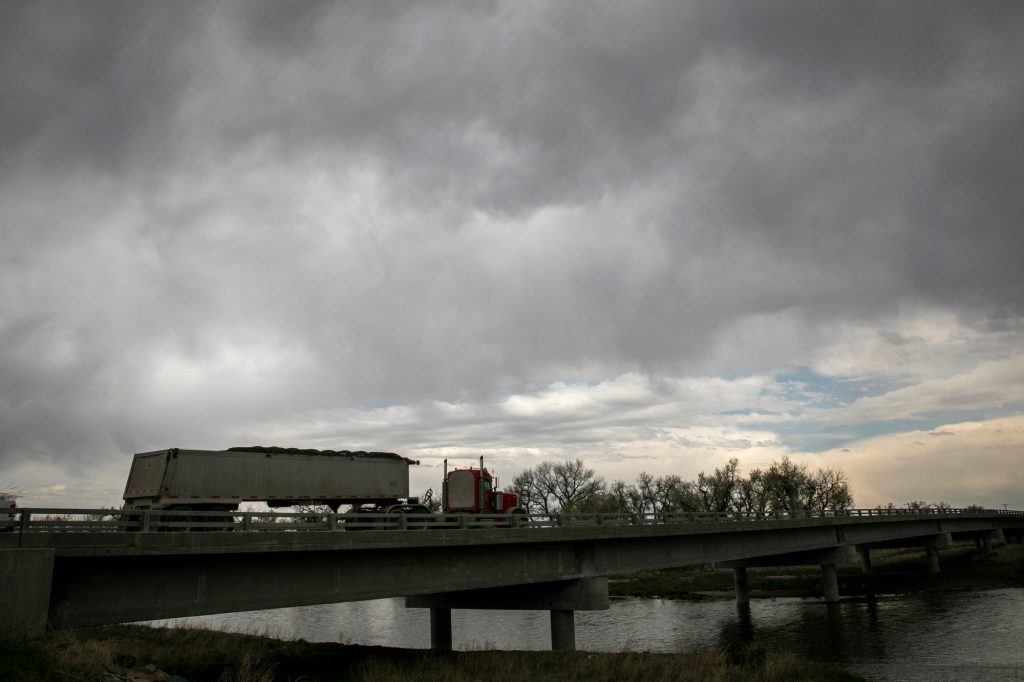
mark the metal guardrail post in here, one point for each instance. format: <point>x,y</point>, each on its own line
<point>25,517</point>
<point>247,521</point>
<point>146,516</point>
<point>332,521</point>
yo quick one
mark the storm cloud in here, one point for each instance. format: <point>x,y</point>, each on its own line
<point>646,234</point>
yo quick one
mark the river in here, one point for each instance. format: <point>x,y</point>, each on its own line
<point>927,636</point>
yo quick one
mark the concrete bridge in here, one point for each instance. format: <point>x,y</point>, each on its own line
<point>58,571</point>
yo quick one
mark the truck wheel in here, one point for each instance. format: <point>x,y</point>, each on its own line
<point>518,518</point>
<point>222,518</point>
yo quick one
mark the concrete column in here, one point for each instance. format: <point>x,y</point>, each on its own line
<point>999,536</point>
<point>441,629</point>
<point>739,579</point>
<point>933,560</point>
<point>986,545</point>
<point>865,559</point>
<point>563,630</point>
<point>829,582</point>
<point>26,576</point>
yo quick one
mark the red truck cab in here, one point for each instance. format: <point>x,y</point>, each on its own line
<point>474,491</point>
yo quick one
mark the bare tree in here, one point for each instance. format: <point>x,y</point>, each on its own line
<point>717,490</point>
<point>788,487</point>
<point>922,504</point>
<point>11,492</point>
<point>831,491</point>
<point>552,487</point>
<point>751,496</point>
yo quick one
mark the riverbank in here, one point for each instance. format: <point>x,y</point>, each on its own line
<point>893,571</point>
<point>143,654</point>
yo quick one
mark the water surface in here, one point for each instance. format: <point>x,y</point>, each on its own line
<point>932,636</point>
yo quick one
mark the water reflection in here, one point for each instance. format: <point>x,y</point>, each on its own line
<point>913,637</point>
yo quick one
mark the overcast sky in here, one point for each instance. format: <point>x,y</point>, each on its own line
<point>651,235</point>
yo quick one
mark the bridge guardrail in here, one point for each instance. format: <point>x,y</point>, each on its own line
<point>55,520</point>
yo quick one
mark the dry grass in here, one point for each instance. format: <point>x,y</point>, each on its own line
<point>201,655</point>
<point>600,667</point>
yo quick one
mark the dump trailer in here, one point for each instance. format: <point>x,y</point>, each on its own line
<point>218,480</point>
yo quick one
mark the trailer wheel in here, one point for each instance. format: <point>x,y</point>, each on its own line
<point>396,517</point>
<point>422,523</point>
<point>181,519</point>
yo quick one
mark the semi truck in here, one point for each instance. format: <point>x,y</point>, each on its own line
<point>370,482</point>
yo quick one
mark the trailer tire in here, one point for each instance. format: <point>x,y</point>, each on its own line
<point>396,515</point>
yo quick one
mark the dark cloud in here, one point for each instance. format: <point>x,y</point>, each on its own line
<point>221,214</point>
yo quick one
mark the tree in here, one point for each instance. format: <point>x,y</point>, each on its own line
<point>11,492</point>
<point>667,494</point>
<point>751,496</point>
<point>831,491</point>
<point>717,490</point>
<point>552,487</point>
<point>787,486</point>
<point>922,504</point>
<point>603,502</point>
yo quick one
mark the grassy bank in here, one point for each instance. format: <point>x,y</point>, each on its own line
<point>203,655</point>
<point>894,571</point>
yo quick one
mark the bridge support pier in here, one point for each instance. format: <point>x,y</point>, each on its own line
<point>562,599</point>
<point>441,629</point>
<point>26,576</point>
<point>933,559</point>
<point>739,579</point>
<point>563,630</point>
<point>865,560</point>
<point>829,583</point>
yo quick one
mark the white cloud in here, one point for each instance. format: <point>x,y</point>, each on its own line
<point>989,386</point>
<point>961,464</point>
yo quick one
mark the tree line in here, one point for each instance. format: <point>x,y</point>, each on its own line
<point>784,486</point>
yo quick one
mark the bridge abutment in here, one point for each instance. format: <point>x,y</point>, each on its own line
<point>26,577</point>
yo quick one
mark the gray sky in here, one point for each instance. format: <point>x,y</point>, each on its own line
<point>652,235</point>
